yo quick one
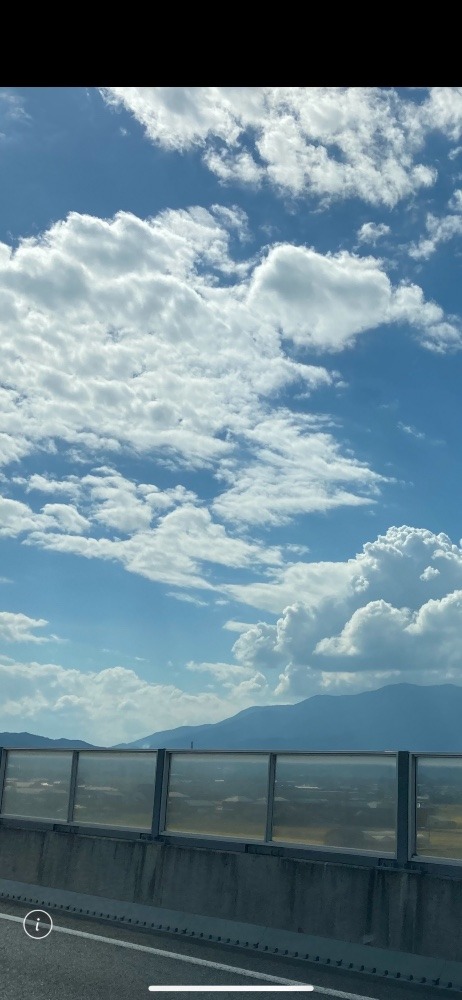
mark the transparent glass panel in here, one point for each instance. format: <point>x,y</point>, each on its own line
<point>115,789</point>
<point>439,807</point>
<point>37,784</point>
<point>222,795</point>
<point>336,801</point>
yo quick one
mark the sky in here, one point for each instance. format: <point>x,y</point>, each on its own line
<point>231,360</point>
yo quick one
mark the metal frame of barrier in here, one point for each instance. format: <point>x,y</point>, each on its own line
<point>269,846</point>
<point>428,862</point>
<point>405,855</point>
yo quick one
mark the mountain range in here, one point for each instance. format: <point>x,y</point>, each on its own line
<point>394,717</point>
<point>30,741</point>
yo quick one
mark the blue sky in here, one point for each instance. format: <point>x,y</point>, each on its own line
<point>230,395</point>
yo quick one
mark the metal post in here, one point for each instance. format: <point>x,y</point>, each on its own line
<point>270,796</point>
<point>3,758</point>
<point>73,786</point>
<point>157,809</point>
<point>413,805</point>
<point>404,806</point>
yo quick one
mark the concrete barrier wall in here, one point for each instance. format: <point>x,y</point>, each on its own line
<point>406,911</point>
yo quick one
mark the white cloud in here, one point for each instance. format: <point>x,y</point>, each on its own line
<point>107,706</point>
<point>170,536</point>
<point>187,598</point>
<point>455,202</point>
<point>429,572</point>
<point>15,627</point>
<point>439,230</point>
<point>377,623</point>
<point>297,469</point>
<point>224,672</point>
<point>371,232</point>
<point>234,626</point>
<point>44,484</point>
<point>393,612</point>
<point>417,641</point>
<point>12,109</point>
<point>412,431</point>
<point>443,110</point>
<point>18,518</point>
<point>367,616</point>
<point>172,552</point>
<point>325,301</point>
<point>66,517</point>
<point>113,323</point>
<point>330,142</point>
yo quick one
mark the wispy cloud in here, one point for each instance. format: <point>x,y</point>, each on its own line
<point>186,598</point>
<point>408,429</point>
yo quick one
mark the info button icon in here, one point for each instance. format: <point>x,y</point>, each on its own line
<point>37,924</point>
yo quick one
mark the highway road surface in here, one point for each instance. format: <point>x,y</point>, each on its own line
<point>85,959</point>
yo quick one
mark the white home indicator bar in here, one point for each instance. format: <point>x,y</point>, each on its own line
<point>231,989</point>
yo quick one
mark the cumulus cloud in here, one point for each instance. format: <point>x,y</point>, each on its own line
<point>325,301</point>
<point>17,518</point>
<point>107,324</point>
<point>429,572</point>
<point>66,517</point>
<point>107,327</point>
<point>16,627</point>
<point>390,613</point>
<point>418,641</point>
<point>371,232</point>
<point>44,484</point>
<point>392,610</point>
<point>328,142</point>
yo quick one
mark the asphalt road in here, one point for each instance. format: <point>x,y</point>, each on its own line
<point>82,959</point>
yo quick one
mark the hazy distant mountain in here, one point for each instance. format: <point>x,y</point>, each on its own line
<point>395,717</point>
<point>29,740</point>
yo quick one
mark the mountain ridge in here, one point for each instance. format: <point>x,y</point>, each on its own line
<point>402,716</point>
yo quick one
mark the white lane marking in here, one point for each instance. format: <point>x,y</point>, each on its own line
<point>198,961</point>
<point>191,960</point>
